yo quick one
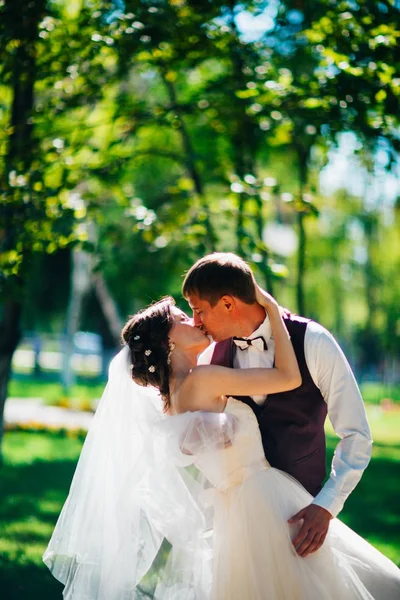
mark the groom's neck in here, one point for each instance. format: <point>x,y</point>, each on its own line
<point>250,318</point>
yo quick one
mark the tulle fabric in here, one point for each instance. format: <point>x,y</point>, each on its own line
<point>134,523</point>
<point>253,552</point>
<point>187,508</point>
<point>254,557</point>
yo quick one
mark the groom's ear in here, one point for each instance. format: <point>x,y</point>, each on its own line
<point>228,302</point>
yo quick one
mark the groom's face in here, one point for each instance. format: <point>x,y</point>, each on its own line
<point>213,320</point>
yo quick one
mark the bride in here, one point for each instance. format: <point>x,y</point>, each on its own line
<point>173,498</point>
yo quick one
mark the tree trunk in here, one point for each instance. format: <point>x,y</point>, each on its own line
<point>80,283</point>
<point>191,162</point>
<point>337,290</point>
<point>370,274</point>
<point>372,346</point>
<point>303,154</point>
<point>240,172</point>
<point>10,335</point>
<point>241,136</point>
<point>108,306</point>
<point>244,145</point>
<point>266,271</point>
<point>20,22</point>
<point>301,256</point>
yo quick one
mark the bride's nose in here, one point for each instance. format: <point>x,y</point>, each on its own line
<point>188,321</point>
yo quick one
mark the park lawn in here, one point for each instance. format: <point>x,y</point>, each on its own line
<point>374,392</point>
<point>34,482</point>
<point>373,509</point>
<point>38,469</point>
<point>87,391</point>
<point>81,396</point>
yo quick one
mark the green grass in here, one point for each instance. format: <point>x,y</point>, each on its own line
<point>373,509</point>
<point>385,427</point>
<point>38,469</point>
<point>80,396</point>
<point>34,483</point>
<point>374,393</point>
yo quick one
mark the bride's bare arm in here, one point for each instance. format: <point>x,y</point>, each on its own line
<point>285,358</point>
<point>209,382</point>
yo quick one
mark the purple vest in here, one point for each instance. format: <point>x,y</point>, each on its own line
<point>291,423</point>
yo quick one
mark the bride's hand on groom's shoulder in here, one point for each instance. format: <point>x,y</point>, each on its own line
<point>263,298</point>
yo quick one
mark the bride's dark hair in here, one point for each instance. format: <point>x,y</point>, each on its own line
<point>146,334</point>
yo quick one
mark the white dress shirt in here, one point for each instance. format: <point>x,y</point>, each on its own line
<point>333,376</point>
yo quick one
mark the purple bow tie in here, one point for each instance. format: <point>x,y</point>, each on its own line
<point>244,343</point>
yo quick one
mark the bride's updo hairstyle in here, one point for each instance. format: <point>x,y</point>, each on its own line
<point>146,334</point>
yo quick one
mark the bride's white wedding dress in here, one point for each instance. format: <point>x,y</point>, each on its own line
<point>253,555</point>
<point>200,481</point>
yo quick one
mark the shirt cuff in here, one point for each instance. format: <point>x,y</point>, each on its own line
<point>328,500</point>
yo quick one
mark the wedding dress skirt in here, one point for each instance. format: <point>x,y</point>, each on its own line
<point>253,555</point>
<point>200,482</point>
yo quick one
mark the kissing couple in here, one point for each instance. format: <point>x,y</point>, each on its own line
<point>203,474</point>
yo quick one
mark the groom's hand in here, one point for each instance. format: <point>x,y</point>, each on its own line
<point>313,531</point>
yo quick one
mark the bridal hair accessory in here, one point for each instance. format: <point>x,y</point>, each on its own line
<point>136,337</point>
<point>147,352</point>
<point>152,368</point>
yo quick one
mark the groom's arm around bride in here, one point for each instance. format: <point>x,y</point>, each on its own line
<point>220,290</point>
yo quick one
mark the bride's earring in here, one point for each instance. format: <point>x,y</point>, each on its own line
<point>171,348</point>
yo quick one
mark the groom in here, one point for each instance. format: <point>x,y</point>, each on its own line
<point>220,291</point>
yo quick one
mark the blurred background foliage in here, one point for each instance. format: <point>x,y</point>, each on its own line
<point>137,135</point>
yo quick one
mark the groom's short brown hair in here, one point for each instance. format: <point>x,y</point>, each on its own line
<point>217,275</point>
